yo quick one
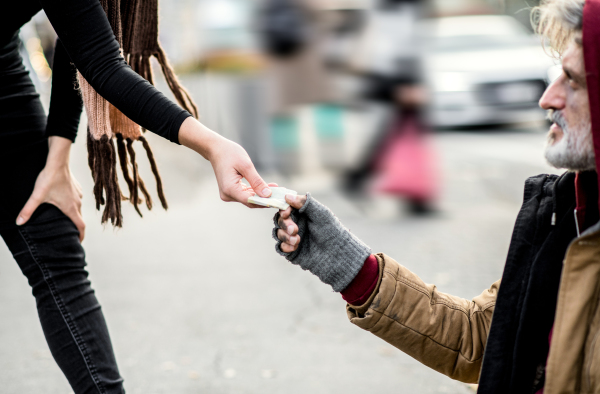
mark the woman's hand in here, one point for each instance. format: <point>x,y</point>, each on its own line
<point>231,163</point>
<point>55,185</point>
<point>229,160</point>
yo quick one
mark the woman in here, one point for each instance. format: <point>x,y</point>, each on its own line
<point>40,218</point>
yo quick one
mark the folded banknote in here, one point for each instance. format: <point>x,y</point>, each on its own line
<point>277,199</point>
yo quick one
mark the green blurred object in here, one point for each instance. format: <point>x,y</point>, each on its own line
<point>329,121</point>
<point>285,133</point>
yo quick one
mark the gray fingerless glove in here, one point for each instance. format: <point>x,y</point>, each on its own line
<point>327,248</point>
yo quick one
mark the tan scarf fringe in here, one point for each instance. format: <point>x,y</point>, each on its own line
<point>110,132</point>
<point>140,63</point>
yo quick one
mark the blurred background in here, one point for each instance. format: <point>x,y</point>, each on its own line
<point>416,122</point>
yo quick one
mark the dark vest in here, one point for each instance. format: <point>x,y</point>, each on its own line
<point>517,345</point>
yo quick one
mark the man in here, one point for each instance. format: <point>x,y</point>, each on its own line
<point>537,332</point>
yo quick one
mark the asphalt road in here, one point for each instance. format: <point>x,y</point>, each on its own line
<point>198,302</point>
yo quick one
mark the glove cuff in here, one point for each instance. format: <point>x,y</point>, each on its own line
<point>327,248</point>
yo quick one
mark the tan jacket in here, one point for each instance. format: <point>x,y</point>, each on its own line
<point>449,333</point>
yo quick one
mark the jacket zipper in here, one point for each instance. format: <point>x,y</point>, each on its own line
<point>576,223</point>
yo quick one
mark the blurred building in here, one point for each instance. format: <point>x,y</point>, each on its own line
<point>482,69</point>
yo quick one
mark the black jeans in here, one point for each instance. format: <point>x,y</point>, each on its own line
<point>49,254</point>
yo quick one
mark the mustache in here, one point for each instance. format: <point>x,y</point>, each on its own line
<point>557,117</point>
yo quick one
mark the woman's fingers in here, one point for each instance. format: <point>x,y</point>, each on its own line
<point>30,206</point>
<point>295,201</point>
<point>231,163</point>
<point>75,216</point>
<point>56,186</point>
<point>252,192</point>
<point>249,189</point>
<point>72,210</point>
<point>237,192</point>
<point>257,184</point>
<point>289,243</point>
<point>73,213</point>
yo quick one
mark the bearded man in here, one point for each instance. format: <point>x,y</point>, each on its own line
<point>537,330</point>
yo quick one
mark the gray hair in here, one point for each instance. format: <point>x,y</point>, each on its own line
<point>559,21</point>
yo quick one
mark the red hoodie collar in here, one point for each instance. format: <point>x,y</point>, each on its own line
<point>591,56</point>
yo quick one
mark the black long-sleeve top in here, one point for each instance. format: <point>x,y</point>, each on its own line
<point>65,100</point>
<point>86,40</point>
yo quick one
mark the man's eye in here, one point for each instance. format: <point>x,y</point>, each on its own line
<point>572,83</point>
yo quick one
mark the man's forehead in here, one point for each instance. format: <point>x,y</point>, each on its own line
<point>572,59</point>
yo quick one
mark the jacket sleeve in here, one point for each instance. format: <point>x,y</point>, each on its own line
<point>85,32</point>
<point>446,333</point>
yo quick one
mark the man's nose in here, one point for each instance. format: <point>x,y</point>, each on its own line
<point>554,96</point>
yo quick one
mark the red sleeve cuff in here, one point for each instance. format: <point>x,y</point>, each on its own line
<point>361,287</point>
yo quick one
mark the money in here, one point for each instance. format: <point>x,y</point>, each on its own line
<point>277,199</point>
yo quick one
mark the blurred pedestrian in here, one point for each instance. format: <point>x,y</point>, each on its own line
<point>398,160</point>
<point>292,33</point>
<point>404,163</point>
<point>38,191</point>
<point>536,329</point>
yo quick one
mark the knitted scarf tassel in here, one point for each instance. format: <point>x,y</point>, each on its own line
<point>110,132</point>
<point>104,145</point>
<point>140,63</point>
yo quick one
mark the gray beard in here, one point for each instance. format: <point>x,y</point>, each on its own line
<point>575,151</point>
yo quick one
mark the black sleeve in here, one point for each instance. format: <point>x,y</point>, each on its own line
<point>85,32</point>
<point>65,99</point>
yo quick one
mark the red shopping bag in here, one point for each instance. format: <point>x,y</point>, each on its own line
<point>407,167</point>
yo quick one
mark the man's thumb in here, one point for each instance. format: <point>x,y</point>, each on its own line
<point>259,186</point>
<point>295,201</point>
<point>30,206</point>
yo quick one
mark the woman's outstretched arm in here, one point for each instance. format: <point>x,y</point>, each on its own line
<point>85,32</point>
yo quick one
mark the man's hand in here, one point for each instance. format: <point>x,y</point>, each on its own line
<point>327,248</point>
<point>55,185</point>
<point>288,233</point>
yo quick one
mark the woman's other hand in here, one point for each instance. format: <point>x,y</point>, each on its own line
<point>229,160</point>
<point>56,185</point>
<point>288,231</point>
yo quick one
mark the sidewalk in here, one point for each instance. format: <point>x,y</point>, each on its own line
<point>197,301</point>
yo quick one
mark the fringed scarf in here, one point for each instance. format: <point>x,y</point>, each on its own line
<point>110,132</point>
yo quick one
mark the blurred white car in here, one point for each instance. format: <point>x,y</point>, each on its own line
<point>482,70</point>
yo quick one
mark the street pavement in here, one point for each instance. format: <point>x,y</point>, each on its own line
<point>197,301</point>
